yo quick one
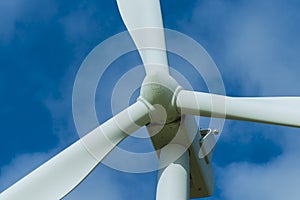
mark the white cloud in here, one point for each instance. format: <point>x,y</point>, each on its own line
<point>261,46</point>
<point>253,45</point>
<point>276,180</point>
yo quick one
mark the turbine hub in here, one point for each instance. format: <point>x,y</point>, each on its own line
<point>160,90</point>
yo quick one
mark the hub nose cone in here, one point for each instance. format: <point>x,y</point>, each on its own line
<point>160,89</point>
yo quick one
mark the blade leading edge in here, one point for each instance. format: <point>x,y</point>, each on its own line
<point>143,20</point>
<point>271,110</point>
<point>61,174</point>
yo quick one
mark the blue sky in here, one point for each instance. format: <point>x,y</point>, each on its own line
<point>255,45</point>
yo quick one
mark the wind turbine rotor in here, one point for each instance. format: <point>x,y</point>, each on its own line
<point>143,19</point>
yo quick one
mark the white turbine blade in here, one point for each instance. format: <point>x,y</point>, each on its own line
<point>143,20</point>
<point>272,110</point>
<point>61,174</point>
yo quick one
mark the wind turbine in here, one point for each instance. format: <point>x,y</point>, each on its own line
<point>61,174</point>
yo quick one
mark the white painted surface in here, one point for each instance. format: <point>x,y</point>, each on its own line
<point>173,183</point>
<point>272,110</point>
<point>143,20</point>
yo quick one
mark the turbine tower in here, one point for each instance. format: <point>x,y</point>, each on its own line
<point>167,110</point>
